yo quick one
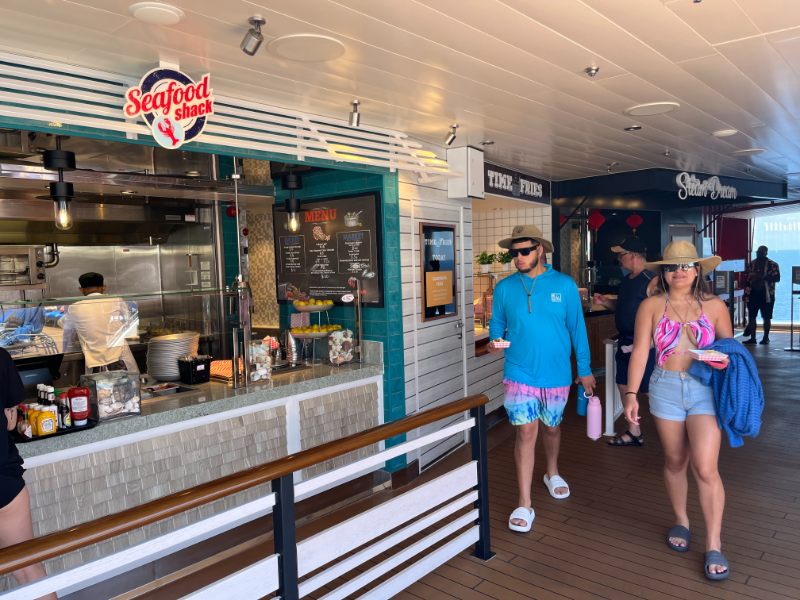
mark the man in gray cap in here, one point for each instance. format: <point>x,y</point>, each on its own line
<point>538,310</point>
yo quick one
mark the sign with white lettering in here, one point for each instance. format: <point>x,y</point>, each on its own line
<point>437,245</point>
<point>690,185</point>
<point>173,106</point>
<point>501,181</point>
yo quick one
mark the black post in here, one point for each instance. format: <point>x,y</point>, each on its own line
<point>483,547</point>
<point>285,537</point>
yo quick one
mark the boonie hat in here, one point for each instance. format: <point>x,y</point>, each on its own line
<point>526,231</point>
<point>633,244</point>
<point>681,253</point>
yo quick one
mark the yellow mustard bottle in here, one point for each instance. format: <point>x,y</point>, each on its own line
<point>46,423</point>
<point>32,414</point>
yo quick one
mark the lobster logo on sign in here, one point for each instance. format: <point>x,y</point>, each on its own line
<point>174,107</point>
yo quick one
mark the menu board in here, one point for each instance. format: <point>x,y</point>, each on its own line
<point>338,239</point>
<point>438,266</point>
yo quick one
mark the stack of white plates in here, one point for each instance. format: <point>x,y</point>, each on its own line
<point>163,353</point>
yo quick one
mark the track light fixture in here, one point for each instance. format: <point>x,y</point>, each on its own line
<point>451,135</point>
<point>355,116</point>
<point>591,71</point>
<point>666,153</point>
<point>253,38</point>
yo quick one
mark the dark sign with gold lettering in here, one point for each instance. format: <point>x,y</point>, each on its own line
<point>338,240</point>
<point>502,181</point>
<point>437,245</point>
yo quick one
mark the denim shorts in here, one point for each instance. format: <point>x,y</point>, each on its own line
<point>675,395</point>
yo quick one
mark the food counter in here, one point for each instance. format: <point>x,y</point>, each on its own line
<point>183,440</point>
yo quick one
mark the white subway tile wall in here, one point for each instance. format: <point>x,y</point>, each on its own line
<point>491,227</point>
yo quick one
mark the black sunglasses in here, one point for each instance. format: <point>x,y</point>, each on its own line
<point>515,252</point>
<point>673,268</point>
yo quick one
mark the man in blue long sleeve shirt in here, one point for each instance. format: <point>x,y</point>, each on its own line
<point>539,311</point>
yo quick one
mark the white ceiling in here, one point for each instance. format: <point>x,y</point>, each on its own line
<point>510,71</point>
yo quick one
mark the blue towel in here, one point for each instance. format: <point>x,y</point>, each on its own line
<point>738,395</point>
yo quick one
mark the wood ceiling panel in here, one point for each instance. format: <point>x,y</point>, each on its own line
<point>717,21</point>
<point>772,15</point>
<point>656,26</point>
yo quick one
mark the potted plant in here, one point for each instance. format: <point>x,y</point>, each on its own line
<point>504,258</point>
<point>485,260</point>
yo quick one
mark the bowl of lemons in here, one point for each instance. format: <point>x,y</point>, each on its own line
<point>314,331</point>
<point>312,305</point>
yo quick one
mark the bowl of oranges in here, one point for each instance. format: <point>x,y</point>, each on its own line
<point>312,305</point>
<point>314,331</point>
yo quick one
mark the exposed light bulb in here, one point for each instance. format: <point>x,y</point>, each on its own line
<point>63,214</point>
<point>294,224</point>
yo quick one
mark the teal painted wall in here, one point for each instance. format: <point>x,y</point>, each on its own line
<point>380,324</point>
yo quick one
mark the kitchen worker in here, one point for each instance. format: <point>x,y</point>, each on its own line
<point>100,323</point>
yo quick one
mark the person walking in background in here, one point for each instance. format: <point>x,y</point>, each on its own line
<point>16,525</point>
<point>759,293</point>
<point>635,287</point>
<point>683,316</point>
<point>538,310</point>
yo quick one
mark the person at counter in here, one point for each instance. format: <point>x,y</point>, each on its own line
<point>638,285</point>
<point>100,323</point>
<point>16,525</point>
<point>540,313</point>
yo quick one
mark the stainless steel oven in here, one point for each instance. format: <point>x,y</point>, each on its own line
<point>22,268</point>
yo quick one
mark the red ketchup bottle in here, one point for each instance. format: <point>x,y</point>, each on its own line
<point>79,405</point>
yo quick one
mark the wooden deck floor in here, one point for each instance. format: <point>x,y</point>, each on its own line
<point>607,540</point>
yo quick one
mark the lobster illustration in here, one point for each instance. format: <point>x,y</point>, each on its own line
<point>168,130</point>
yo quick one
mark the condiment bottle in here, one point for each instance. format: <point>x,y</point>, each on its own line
<point>45,423</point>
<point>63,410</point>
<point>33,412</point>
<point>79,405</point>
<point>23,425</point>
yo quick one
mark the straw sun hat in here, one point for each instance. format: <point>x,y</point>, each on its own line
<point>526,231</point>
<point>680,253</point>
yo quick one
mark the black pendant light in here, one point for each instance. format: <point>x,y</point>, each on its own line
<point>61,192</point>
<point>291,181</point>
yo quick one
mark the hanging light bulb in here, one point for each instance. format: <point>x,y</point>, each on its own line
<point>294,224</point>
<point>63,213</point>
<point>293,208</point>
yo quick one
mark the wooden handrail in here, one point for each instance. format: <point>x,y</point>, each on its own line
<point>55,544</point>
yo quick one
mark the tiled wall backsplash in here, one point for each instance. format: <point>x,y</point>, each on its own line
<point>488,228</point>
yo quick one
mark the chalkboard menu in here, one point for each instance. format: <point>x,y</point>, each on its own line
<point>338,239</point>
<point>438,271</point>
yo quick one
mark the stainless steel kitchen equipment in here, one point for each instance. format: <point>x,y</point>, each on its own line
<point>22,268</point>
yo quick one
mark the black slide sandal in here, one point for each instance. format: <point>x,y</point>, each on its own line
<point>634,441</point>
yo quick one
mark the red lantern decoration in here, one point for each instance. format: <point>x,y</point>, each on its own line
<point>596,220</point>
<point>245,231</point>
<point>562,219</point>
<point>634,221</point>
<point>231,211</point>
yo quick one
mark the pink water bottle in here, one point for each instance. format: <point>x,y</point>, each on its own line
<point>594,418</point>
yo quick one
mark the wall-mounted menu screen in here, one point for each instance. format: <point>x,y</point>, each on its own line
<point>438,271</point>
<point>338,240</point>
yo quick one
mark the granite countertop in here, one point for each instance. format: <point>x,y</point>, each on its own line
<point>210,398</point>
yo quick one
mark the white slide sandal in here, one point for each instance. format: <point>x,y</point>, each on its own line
<point>555,483</point>
<point>522,514</point>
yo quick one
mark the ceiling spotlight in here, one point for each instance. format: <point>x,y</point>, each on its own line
<point>253,38</point>
<point>156,13</point>
<point>591,71</point>
<point>355,116</point>
<point>633,128</point>
<point>612,164</point>
<point>487,143</point>
<point>697,1</point>
<point>129,192</point>
<point>666,153</point>
<point>747,170</point>
<point>451,135</point>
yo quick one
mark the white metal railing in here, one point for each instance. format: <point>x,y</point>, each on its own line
<point>613,403</point>
<point>56,94</point>
<point>460,489</point>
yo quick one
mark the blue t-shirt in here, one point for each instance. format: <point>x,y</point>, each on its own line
<point>540,349</point>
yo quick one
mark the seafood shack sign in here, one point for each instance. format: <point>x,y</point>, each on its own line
<point>173,105</point>
<point>690,185</point>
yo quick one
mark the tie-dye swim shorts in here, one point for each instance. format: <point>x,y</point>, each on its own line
<point>524,403</point>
